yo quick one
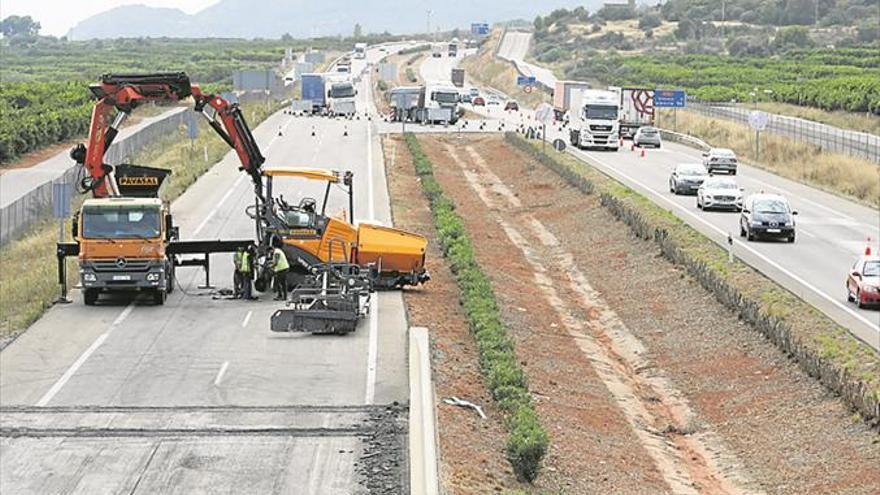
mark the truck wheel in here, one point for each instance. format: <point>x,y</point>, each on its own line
<point>90,297</point>
<point>159,297</point>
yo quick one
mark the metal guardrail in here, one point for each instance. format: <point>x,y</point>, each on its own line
<point>826,137</point>
<point>684,139</point>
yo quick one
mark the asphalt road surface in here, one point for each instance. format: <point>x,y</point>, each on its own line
<point>832,232</point>
<point>514,47</point>
<point>199,396</point>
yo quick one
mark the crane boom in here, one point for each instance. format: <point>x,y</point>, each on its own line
<point>119,94</point>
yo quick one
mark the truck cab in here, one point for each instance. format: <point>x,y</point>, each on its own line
<point>360,50</point>
<point>341,97</point>
<point>595,121</point>
<point>439,104</point>
<point>122,247</point>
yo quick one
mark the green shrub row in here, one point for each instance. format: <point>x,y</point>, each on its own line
<point>410,75</point>
<point>527,440</point>
<point>821,347</point>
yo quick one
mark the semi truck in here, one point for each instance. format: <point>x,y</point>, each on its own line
<point>313,91</point>
<point>341,99</point>
<point>595,120</point>
<point>437,50</point>
<point>438,103</point>
<point>404,102</point>
<point>636,109</point>
<point>452,49</point>
<point>564,94</point>
<point>360,50</point>
<point>457,77</point>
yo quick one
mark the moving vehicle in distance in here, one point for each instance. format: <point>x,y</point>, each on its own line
<point>512,105</point>
<point>636,109</point>
<point>647,136</point>
<point>720,160</point>
<point>474,92</point>
<point>721,193</point>
<point>457,77</point>
<point>341,99</point>
<point>493,100</point>
<point>404,102</point>
<point>686,178</point>
<point>437,50</point>
<point>438,104</point>
<point>478,101</point>
<point>313,91</point>
<point>452,48</point>
<point>360,50</point>
<point>768,216</point>
<point>565,94</point>
<point>595,123</point>
<point>863,281</point>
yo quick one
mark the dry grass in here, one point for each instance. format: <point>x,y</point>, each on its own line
<point>852,177</point>
<point>838,118</point>
<point>28,271</point>
<point>487,70</point>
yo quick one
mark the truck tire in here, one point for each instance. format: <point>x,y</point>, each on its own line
<point>90,297</point>
<point>159,297</point>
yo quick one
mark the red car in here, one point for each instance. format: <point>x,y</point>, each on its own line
<point>478,101</point>
<point>512,105</point>
<point>863,281</point>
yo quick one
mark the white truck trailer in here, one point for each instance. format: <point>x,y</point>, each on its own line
<point>636,109</point>
<point>564,94</point>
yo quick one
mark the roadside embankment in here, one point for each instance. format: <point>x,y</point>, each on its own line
<point>487,70</point>
<point>822,348</point>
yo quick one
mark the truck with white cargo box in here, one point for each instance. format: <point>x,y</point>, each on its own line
<point>564,94</point>
<point>360,50</point>
<point>438,104</point>
<point>636,109</point>
<point>594,121</point>
<point>341,98</point>
<point>404,101</point>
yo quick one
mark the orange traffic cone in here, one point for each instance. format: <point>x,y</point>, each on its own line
<point>868,248</point>
<point>313,130</point>
<point>632,147</point>
<point>621,142</point>
<point>643,152</point>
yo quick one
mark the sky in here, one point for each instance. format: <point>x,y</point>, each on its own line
<point>57,16</point>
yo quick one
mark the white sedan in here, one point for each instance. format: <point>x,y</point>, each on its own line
<point>720,193</point>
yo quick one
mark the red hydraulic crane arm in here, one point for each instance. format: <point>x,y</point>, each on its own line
<point>125,92</point>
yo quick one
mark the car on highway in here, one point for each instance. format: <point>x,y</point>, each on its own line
<point>474,92</point>
<point>863,281</point>
<point>478,101</point>
<point>720,193</point>
<point>687,178</point>
<point>466,98</point>
<point>720,160</point>
<point>493,100</point>
<point>512,105</point>
<point>647,136</point>
<point>768,216</point>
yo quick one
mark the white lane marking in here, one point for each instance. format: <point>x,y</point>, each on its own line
<point>371,209</point>
<point>83,357</point>
<point>372,350</point>
<point>217,206</point>
<point>743,245</point>
<point>221,373</point>
<point>247,318</point>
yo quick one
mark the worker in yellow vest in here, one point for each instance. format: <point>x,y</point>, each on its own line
<point>237,274</point>
<point>280,267</point>
<point>246,268</point>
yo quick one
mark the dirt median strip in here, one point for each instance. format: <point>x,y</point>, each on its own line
<point>822,348</point>
<point>655,410</point>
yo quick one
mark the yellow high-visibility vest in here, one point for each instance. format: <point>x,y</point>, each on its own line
<point>244,265</point>
<point>280,260</point>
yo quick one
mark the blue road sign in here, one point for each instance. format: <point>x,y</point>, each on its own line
<point>526,80</point>
<point>61,192</point>
<point>479,29</point>
<point>669,98</point>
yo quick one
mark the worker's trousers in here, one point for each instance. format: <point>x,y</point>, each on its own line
<point>281,284</point>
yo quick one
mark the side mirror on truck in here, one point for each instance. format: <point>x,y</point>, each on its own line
<point>74,226</point>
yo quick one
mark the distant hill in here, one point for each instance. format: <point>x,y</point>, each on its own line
<point>301,18</point>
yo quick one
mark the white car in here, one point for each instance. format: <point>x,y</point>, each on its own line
<point>647,136</point>
<point>720,193</point>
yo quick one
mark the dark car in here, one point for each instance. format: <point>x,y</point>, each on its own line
<point>863,281</point>
<point>512,105</point>
<point>768,216</point>
<point>466,98</point>
<point>478,101</point>
<point>687,178</point>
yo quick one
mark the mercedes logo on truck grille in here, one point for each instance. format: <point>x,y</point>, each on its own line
<point>120,262</point>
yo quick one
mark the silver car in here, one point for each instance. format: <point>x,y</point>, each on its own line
<point>720,193</point>
<point>647,136</point>
<point>687,178</point>
<point>720,160</point>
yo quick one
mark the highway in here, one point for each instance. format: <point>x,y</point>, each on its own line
<point>514,47</point>
<point>832,232</point>
<point>199,396</point>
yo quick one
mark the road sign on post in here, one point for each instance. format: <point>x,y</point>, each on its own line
<point>670,98</point>
<point>526,80</point>
<point>192,127</point>
<point>479,29</point>
<point>61,192</point>
<point>758,122</point>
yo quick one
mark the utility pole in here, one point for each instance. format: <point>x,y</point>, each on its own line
<point>428,30</point>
